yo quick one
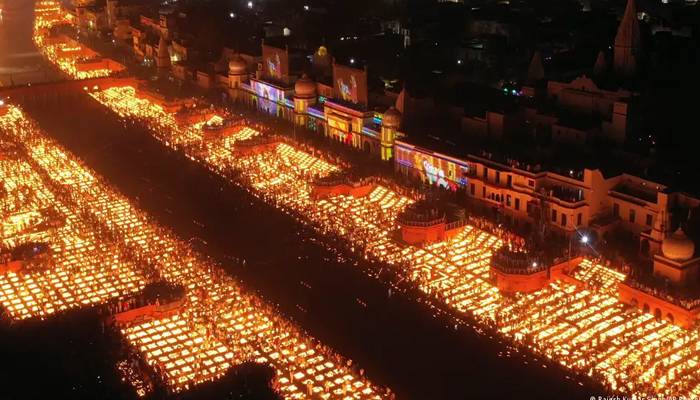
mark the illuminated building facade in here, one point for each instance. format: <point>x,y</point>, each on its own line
<point>582,111</point>
<point>271,90</point>
<point>430,167</point>
<point>676,269</point>
<point>348,119</point>
<point>524,193</point>
<point>338,111</point>
<point>677,262</point>
<point>391,122</point>
<point>305,97</point>
<point>270,98</point>
<point>566,202</point>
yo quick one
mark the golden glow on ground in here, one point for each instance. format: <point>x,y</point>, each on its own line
<point>84,269</point>
<point>102,252</point>
<point>585,329</point>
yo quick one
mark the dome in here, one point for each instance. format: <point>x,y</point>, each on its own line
<point>392,118</point>
<point>305,87</point>
<point>678,246</point>
<point>237,66</point>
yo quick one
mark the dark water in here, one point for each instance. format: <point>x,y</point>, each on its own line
<point>396,340</point>
<point>66,357</point>
<point>20,62</point>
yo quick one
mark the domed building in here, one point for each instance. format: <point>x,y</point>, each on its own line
<point>237,66</point>
<point>305,88</point>
<point>676,267</point>
<point>677,261</point>
<point>304,97</point>
<point>392,118</point>
<point>678,246</point>
<point>237,74</point>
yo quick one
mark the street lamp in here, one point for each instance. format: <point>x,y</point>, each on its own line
<point>584,240</point>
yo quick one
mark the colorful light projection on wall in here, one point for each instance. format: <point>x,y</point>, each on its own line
<point>434,169</point>
<point>350,84</point>
<point>275,62</point>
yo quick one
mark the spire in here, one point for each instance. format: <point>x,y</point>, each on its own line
<point>628,31</point>
<point>536,71</point>
<point>163,56</point>
<point>601,64</point>
<point>401,100</point>
<point>627,41</point>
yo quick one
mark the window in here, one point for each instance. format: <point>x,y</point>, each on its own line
<point>486,173</point>
<point>472,187</point>
<point>649,219</point>
<point>563,220</point>
<point>632,216</point>
<point>517,203</point>
<point>531,183</point>
<point>483,192</point>
<point>616,209</point>
<point>579,219</point>
<point>554,215</point>
<point>508,200</point>
<point>498,177</point>
<point>509,180</point>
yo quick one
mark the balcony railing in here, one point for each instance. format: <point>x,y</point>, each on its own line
<point>456,224</point>
<point>520,271</point>
<point>645,194</point>
<point>407,220</point>
<point>259,140</point>
<point>503,183</point>
<point>562,198</point>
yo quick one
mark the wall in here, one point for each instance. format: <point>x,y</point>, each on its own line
<point>515,283</point>
<point>528,283</point>
<point>668,311</point>
<point>204,80</point>
<point>475,126</point>
<point>565,134</point>
<point>322,192</point>
<point>418,235</point>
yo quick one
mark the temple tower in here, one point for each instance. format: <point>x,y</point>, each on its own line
<point>627,42</point>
